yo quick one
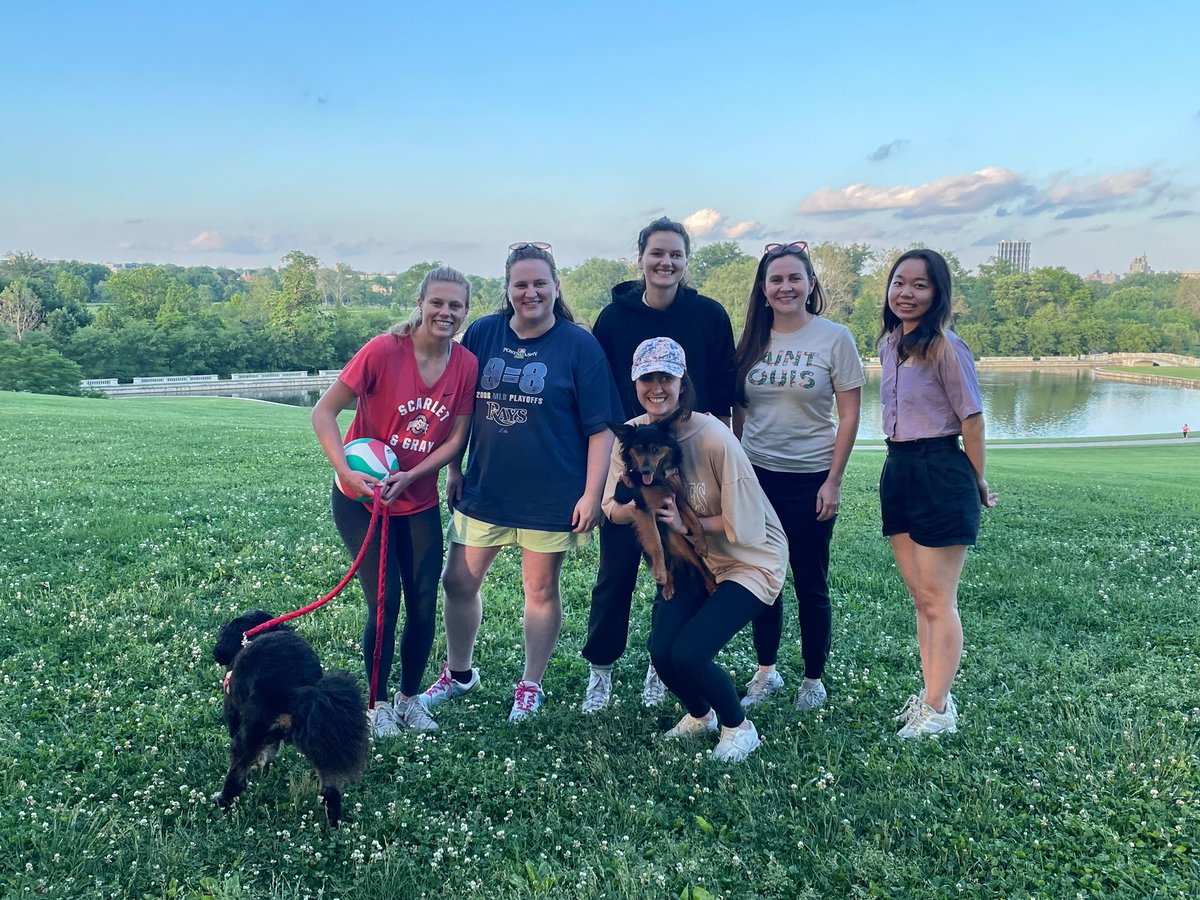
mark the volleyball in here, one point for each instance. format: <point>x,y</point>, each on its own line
<point>370,457</point>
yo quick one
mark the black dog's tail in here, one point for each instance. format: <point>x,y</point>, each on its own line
<point>329,726</point>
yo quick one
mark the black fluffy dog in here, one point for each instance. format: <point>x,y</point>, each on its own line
<point>275,691</point>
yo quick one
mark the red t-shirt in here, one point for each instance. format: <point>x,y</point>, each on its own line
<point>397,407</point>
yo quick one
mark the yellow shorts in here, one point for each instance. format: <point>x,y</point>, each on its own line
<point>475,533</point>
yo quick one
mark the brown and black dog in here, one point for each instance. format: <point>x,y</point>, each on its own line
<point>651,456</point>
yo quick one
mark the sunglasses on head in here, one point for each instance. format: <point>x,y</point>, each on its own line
<point>793,247</point>
<point>536,245</point>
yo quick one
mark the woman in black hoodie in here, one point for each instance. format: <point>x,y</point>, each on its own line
<point>656,305</point>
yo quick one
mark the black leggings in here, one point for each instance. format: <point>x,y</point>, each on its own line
<point>612,596</point>
<point>794,498</point>
<point>687,633</point>
<point>414,562</point>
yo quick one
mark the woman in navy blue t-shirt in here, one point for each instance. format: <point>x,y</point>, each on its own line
<point>536,465</point>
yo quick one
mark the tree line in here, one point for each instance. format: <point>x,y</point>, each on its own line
<point>64,321</point>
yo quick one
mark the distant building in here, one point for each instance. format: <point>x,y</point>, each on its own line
<point>1103,277</point>
<point>1016,253</point>
<point>1140,266</point>
<point>124,267</point>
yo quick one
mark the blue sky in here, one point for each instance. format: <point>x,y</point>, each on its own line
<point>383,134</point>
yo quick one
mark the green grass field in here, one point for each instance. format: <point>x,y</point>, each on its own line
<point>134,528</point>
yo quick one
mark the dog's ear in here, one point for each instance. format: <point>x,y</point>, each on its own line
<point>229,643</point>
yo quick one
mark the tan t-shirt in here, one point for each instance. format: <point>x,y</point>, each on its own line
<point>752,551</point>
<point>789,424</point>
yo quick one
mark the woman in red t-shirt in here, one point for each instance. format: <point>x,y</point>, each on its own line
<point>415,391</point>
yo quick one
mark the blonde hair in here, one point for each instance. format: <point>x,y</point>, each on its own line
<point>443,274</point>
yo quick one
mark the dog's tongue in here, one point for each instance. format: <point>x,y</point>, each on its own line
<point>647,479</point>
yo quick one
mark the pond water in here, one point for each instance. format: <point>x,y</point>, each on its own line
<point>1075,403</point>
<point>1041,403</point>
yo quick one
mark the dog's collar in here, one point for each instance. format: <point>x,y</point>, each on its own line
<point>225,681</point>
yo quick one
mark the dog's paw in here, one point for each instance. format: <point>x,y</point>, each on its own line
<point>219,799</point>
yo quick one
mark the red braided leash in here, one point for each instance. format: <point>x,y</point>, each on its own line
<point>377,513</point>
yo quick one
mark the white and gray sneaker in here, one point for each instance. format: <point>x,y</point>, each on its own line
<point>382,719</point>
<point>761,686</point>
<point>909,709</point>
<point>811,695</point>
<point>924,720</point>
<point>689,726</point>
<point>412,714</point>
<point>599,690</point>
<point>653,689</point>
<point>737,743</point>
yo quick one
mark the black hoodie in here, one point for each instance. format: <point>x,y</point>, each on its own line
<point>699,324</point>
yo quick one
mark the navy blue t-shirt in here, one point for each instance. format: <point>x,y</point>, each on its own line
<point>536,404</point>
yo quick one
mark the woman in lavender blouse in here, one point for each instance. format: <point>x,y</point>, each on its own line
<point>931,490</point>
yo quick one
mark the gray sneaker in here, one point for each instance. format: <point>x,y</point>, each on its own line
<point>925,720</point>
<point>810,696</point>
<point>760,687</point>
<point>909,709</point>
<point>382,719</point>
<point>599,690</point>
<point>653,690</point>
<point>412,714</point>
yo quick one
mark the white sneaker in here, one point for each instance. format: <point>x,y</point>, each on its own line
<point>810,696</point>
<point>412,714</point>
<point>690,726</point>
<point>909,709</point>
<point>653,689</point>
<point>925,720</point>
<point>737,743</point>
<point>382,719</point>
<point>599,690</point>
<point>446,688</point>
<point>760,687</point>
<point>526,701</point>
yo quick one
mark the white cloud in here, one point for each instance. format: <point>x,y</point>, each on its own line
<point>744,229</point>
<point>703,222</point>
<point>955,193</point>
<point>207,240</point>
<point>214,240</point>
<point>1101,189</point>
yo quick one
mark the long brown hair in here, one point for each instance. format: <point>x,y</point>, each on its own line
<point>760,318</point>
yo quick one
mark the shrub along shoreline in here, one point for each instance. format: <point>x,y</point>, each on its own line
<point>133,530</point>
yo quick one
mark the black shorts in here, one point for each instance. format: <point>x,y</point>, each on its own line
<point>928,491</point>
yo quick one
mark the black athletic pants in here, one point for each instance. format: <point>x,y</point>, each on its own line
<point>414,563</point>
<point>794,498</point>
<point>688,632</point>
<point>612,596</point>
